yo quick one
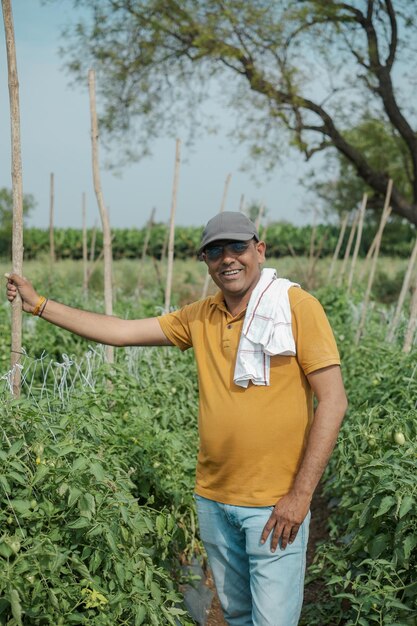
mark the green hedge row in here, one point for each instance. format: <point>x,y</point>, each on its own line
<point>280,236</point>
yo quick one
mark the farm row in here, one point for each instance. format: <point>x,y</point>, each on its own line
<point>280,236</point>
<point>96,470</point>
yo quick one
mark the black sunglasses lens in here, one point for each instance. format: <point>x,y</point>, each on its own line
<point>214,253</point>
<point>238,247</point>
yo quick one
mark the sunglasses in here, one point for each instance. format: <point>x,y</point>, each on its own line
<point>234,248</point>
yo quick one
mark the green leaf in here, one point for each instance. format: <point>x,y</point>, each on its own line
<point>160,525</point>
<point>80,463</point>
<point>16,447</point>
<point>97,470</point>
<point>40,474</point>
<point>74,494</point>
<point>16,606</point>
<point>120,572</point>
<point>410,542</point>
<point>378,545</point>
<point>81,522</point>
<point>156,592</point>
<point>21,506</point>
<point>406,505</point>
<point>140,615</point>
<point>5,484</point>
<point>87,505</point>
<point>110,540</point>
<point>387,503</point>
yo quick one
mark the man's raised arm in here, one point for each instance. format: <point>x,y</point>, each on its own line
<point>104,329</point>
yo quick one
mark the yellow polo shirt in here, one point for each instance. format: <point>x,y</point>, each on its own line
<point>251,440</point>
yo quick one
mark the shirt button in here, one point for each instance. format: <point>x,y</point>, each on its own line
<point>229,326</point>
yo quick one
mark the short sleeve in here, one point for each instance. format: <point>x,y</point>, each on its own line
<point>176,327</point>
<point>314,338</point>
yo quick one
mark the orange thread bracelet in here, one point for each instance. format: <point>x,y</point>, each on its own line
<point>37,308</point>
<point>43,308</point>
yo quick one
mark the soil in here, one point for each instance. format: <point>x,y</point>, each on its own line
<point>318,532</point>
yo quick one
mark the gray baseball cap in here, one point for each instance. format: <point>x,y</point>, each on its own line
<point>228,225</point>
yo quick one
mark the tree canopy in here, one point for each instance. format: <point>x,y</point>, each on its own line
<point>302,73</point>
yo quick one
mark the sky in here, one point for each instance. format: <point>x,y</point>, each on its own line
<point>55,136</point>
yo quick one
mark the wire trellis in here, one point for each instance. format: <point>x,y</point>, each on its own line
<point>44,378</point>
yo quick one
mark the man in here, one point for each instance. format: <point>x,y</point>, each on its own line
<point>263,347</point>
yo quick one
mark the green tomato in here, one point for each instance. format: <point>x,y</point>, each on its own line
<point>399,438</point>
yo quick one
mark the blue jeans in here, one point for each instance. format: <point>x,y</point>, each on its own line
<point>256,587</point>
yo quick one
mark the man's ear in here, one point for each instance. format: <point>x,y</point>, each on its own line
<point>261,249</point>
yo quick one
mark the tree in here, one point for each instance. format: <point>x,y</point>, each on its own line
<point>383,148</point>
<point>312,68</point>
<point>6,217</point>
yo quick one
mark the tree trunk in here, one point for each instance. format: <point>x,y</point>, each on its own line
<point>17,190</point>
<point>170,268</point>
<point>107,247</point>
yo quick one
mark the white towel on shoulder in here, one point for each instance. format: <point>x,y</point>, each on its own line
<point>266,329</point>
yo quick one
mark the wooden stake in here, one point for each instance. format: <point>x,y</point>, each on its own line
<point>85,249</point>
<point>384,218</point>
<point>338,245</point>
<point>107,247</point>
<point>260,215</point>
<point>412,323</point>
<point>222,205</point>
<point>348,248</point>
<point>51,220</point>
<point>404,289</point>
<point>170,268</point>
<point>148,234</point>
<point>17,191</point>
<point>358,241</point>
<point>93,243</point>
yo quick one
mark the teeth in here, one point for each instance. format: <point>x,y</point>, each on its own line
<point>231,272</point>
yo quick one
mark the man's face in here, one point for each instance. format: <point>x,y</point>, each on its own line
<point>235,266</point>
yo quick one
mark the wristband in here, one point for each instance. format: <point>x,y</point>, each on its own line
<point>37,308</point>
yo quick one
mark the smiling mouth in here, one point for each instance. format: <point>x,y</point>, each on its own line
<point>230,272</point>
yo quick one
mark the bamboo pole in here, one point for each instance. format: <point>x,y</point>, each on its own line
<point>338,245</point>
<point>93,243</point>
<point>222,205</point>
<point>358,241</point>
<point>85,248</point>
<point>17,191</point>
<point>164,244</point>
<point>348,248</point>
<point>148,234</point>
<point>313,263</point>
<point>384,218</point>
<point>51,219</point>
<point>170,268</point>
<point>107,247</point>
<point>404,289</point>
<point>371,250</point>
<point>412,322</point>
<point>260,215</point>
<point>310,267</point>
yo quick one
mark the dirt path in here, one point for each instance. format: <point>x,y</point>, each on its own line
<point>318,532</point>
